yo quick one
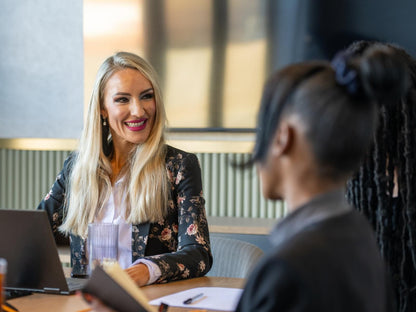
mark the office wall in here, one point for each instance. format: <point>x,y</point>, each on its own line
<point>41,68</point>
<point>317,29</point>
<point>42,52</point>
<point>26,177</point>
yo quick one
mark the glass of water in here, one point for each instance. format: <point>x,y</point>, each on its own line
<point>3,270</point>
<point>102,244</point>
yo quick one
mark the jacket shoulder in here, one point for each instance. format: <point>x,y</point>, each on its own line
<point>173,152</point>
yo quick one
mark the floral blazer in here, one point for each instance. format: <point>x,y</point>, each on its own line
<point>179,244</point>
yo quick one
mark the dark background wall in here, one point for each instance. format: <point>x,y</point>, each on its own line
<point>316,29</point>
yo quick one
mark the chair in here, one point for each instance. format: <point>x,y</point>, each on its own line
<point>232,257</point>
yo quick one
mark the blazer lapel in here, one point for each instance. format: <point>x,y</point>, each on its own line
<point>79,260</point>
<point>140,233</point>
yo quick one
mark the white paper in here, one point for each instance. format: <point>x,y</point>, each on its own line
<point>214,298</point>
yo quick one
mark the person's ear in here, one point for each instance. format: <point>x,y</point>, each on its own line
<point>104,113</point>
<point>283,139</point>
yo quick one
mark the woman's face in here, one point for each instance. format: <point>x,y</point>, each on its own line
<point>270,168</point>
<point>287,156</point>
<point>270,178</point>
<point>130,106</point>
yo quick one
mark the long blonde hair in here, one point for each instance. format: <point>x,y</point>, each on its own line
<point>146,181</point>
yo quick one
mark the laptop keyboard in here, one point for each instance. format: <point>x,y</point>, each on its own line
<point>13,293</point>
<point>75,283</point>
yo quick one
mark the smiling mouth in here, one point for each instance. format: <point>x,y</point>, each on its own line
<point>135,124</point>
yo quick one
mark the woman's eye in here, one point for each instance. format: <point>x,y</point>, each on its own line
<point>121,100</point>
<point>147,96</point>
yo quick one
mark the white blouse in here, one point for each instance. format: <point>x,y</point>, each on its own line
<point>113,212</point>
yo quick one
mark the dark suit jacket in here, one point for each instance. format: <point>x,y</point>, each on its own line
<point>179,245</point>
<point>325,258</point>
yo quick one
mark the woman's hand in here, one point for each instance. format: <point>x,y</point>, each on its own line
<point>139,273</point>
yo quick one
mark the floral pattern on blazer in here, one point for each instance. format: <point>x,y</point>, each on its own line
<point>179,244</point>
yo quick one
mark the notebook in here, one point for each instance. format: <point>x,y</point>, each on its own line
<point>28,245</point>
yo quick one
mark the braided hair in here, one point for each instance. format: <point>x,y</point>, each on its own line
<point>384,187</point>
<point>327,97</point>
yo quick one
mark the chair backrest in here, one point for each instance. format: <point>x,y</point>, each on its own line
<point>232,257</point>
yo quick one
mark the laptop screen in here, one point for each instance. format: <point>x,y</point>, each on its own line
<point>27,243</point>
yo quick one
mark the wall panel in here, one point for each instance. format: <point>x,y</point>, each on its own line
<point>26,176</point>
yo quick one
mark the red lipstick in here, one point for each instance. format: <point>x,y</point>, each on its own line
<point>136,125</point>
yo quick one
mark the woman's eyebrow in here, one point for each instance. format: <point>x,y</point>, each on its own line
<point>145,91</point>
<point>121,93</point>
<point>126,93</point>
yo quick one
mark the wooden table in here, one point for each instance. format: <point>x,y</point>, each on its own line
<point>61,303</point>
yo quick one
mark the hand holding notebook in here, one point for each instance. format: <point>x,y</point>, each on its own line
<point>114,287</point>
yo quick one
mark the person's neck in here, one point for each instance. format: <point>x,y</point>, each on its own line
<point>304,191</point>
<point>119,159</point>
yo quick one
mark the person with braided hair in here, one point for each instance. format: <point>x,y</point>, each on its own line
<point>384,187</point>
<point>315,125</point>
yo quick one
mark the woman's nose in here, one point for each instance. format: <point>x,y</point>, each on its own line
<point>136,108</point>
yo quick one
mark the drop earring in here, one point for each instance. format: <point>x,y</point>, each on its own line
<point>106,138</point>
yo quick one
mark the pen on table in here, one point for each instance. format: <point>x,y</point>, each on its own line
<point>7,307</point>
<point>192,299</point>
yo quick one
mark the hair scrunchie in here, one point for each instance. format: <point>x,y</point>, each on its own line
<point>346,75</point>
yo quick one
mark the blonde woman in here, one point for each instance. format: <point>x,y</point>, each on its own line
<point>124,173</point>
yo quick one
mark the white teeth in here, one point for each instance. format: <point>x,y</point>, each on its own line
<point>135,124</point>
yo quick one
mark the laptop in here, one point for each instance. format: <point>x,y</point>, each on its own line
<point>33,264</point>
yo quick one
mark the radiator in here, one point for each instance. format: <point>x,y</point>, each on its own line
<point>234,192</point>
<point>26,177</point>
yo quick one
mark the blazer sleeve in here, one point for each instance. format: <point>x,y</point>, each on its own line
<point>193,255</point>
<point>275,286</point>
<point>54,201</point>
